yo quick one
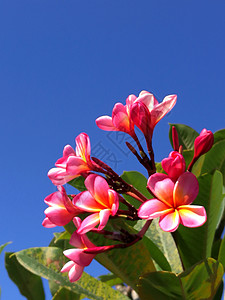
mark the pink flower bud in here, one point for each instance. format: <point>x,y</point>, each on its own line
<point>141,117</point>
<point>174,165</point>
<point>175,139</point>
<point>203,143</point>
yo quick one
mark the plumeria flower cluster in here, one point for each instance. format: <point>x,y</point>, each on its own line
<point>173,191</point>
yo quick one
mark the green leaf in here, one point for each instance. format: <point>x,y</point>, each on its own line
<point>186,134</point>
<point>161,245</point>
<point>78,183</point>
<point>219,293</point>
<point>65,235</point>
<point>219,136</point>
<point>210,196</point>
<point>118,261</point>
<point>30,285</point>
<point>166,244</point>
<point>215,159</point>
<point>221,256</point>
<point>199,282</point>
<point>110,279</point>
<point>139,181</point>
<point>155,252</point>
<point>3,246</point>
<point>65,294</point>
<point>47,261</point>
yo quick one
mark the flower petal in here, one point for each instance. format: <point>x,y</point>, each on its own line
<point>83,146</point>
<point>120,118</point>
<point>76,240</point>
<point>105,123</point>
<point>58,216</point>
<point>79,257</point>
<point>130,100</point>
<point>186,189</point>
<point>141,117</point>
<point>59,176</point>
<point>67,266</point>
<point>76,165</point>
<point>104,217</point>
<point>152,209</point>
<point>160,110</point>
<point>47,223</point>
<point>192,215</point>
<point>75,273</point>
<point>86,202</point>
<point>113,201</point>
<point>89,223</point>
<point>98,187</point>
<point>162,187</point>
<point>170,222</point>
<point>148,99</point>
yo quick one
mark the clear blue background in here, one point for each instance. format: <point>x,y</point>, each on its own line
<point>65,63</point>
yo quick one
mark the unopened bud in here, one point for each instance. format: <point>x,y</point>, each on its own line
<point>175,139</point>
<point>203,143</point>
<point>174,165</point>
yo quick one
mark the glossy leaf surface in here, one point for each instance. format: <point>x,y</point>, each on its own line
<point>29,284</point>
<point>46,262</point>
<point>199,282</point>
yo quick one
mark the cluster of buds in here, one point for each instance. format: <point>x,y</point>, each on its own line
<point>173,192</point>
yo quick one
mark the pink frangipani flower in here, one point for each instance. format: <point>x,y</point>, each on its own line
<point>120,120</point>
<point>174,165</point>
<point>73,163</point>
<point>143,111</point>
<point>172,202</point>
<point>60,211</point>
<point>100,200</point>
<point>156,110</point>
<point>78,258</point>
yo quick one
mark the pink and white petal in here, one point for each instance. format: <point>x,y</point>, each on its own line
<point>66,202</point>
<point>83,146</point>
<point>47,223</point>
<point>113,201</point>
<point>75,273</point>
<point>170,221</point>
<point>152,209</point>
<point>79,257</point>
<point>76,165</point>
<point>77,221</point>
<point>98,187</point>
<point>186,189</point>
<point>103,217</point>
<point>54,199</point>
<point>86,241</point>
<point>86,202</point>
<point>89,223</point>
<point>77,241</point>
<point>58,216</point>
<point>192,215</point>
<point>120,118</point>
<point>130,100</point>
<point>105,123</point>
<point>68,151</point>
<point>141,117</point>
<point>61,162</point>
<point>160,110</point>
<point>148,99</point>
<point>67,266</point>
<point>162,187</point>
<point>59,176</point>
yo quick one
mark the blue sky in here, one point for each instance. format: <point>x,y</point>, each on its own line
<point>65,63</point>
